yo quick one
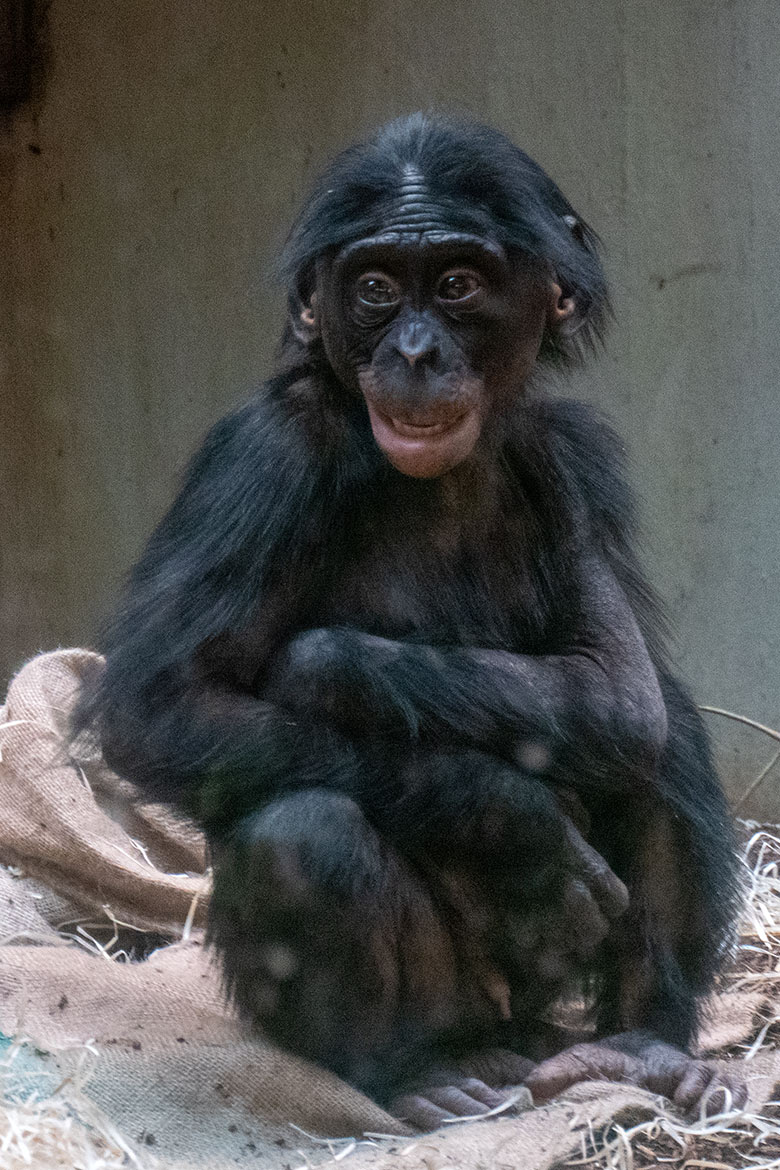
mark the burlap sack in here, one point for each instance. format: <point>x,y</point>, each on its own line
<point>151,1044</point>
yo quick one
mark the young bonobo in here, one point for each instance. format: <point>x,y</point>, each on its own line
<point>392,649</point>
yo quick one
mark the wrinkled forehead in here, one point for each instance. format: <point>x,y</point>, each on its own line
<point>415,203</point>
<point>415,215</point>
<point>432,242</point>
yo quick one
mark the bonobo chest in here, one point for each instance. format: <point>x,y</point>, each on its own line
<point>444,562</point>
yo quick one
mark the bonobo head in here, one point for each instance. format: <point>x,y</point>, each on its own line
<point>431,268</point>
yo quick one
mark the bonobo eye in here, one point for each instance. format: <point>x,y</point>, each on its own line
<point>458,285</point>
<point>377,291</point>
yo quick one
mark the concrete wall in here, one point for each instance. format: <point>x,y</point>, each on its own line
<point>142,199</point>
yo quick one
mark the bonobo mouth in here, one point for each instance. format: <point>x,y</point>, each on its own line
<point>425,445</point>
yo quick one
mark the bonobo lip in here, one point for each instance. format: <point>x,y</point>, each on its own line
<point>418,428</point>
<point>425,445</point>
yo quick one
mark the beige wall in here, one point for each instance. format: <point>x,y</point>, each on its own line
<point>175,142</point>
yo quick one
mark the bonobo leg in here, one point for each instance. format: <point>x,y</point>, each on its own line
<point>385,965</point>
<point>333,946</point>
<point>679,864</point>
<point>655,1000</point>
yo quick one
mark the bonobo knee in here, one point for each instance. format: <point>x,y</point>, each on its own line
<point>310,648</point>
<point>299,816</point>
<point>312,836</point>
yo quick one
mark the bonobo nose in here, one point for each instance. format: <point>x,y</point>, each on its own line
<point>416,343</point>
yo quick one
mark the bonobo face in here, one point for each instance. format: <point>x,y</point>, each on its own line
<point>436,330</point>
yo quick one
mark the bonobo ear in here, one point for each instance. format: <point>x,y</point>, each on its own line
<point>304,319</point>
<point>562,307</point>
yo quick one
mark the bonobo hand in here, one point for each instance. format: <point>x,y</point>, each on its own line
<point>468,812</point>
<point>593,881</point>
<point>557,933</point>
<point>341,675</point>
<point>465,807</point>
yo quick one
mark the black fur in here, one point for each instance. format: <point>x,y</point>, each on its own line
<point>216,700</point>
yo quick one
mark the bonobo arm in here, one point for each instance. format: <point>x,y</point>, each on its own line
<point>219,754</point>
<point>174,707</point>
<point>595,710</point>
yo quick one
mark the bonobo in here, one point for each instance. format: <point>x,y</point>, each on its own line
<point>392,649</point>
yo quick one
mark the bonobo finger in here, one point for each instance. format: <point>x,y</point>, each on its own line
<point>582,1062</point>
<point>462,1103</point>
<point>417,1110</point>
<point>739,1089</point>
<point>586,926</point>
<point>461,1097</point>
<point>571,806</point>
<point>717,1087</point>
<point>608,890</point>
<point>692,1086</point>
<point>483,1094</point>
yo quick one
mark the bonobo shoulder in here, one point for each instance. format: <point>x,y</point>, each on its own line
<point>246,444</point>
<point>592,457</point>
<point>247,508</point>
<point>252,469</point>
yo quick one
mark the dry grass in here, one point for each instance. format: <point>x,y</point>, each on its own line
<point>757,963</point>
<point>726,1142</point>
<point>64,1130</point>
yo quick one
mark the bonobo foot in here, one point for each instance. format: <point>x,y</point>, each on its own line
<point>637,1058</point>
<point>466,1088</point>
